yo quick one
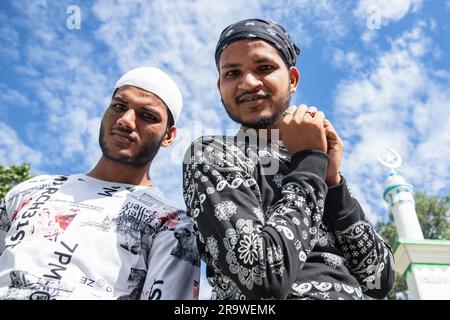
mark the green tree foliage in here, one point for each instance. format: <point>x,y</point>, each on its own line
<point>434,218</point>
<point>11,176</point>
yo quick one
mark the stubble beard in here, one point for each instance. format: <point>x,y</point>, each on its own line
<point>143,156</point>
<point>262,122</point>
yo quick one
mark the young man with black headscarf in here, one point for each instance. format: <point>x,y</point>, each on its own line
<point>275,217</point>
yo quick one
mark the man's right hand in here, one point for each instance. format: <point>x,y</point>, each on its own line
<point>303,129</point>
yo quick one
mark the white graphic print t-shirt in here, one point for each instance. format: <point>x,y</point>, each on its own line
<point>76,237</point>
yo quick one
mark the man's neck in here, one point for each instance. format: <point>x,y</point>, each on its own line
<point>109,170</point>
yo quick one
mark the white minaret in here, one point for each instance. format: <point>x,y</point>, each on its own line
<point>424,263</point>
<point>400,197</point>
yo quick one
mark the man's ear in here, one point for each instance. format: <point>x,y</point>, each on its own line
<point>218,83</point>
<point>294,79</point>
<point>169,137</point>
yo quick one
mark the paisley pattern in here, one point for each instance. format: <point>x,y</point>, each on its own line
<point>263,231</point>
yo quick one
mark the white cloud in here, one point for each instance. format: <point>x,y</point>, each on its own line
<point>12,98</point>
<point>328,18</point>
<point>375,14</point>
<point>26,71</point>
<point>388,10</point>
<point>14,151</point>
<point>347,60</point>
<point>69,82</point>
<point>399,103</point>
<point>9,38</point>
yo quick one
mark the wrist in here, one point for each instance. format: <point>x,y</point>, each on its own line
<point>333,181</point>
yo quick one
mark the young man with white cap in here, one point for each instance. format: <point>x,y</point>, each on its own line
<point>110,233</point>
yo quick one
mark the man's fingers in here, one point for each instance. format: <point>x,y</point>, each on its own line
<point>312,111</point>
<point>331,132</point>
<point>300,112</point>
<point>303,108</point>
<point>289,112</point>
<point>299,131</point>
<point>303,112</point>
<point>320,117</point>
<point>329,127</point>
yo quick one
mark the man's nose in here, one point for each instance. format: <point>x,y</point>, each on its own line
<point>250,81</point>
<point>128,120</point>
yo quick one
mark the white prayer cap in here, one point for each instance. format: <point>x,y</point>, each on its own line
<point>157,82</point>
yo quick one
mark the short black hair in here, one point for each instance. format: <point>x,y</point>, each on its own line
<point>170,120</point>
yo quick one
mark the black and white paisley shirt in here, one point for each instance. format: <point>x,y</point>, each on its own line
<point>269,228</point>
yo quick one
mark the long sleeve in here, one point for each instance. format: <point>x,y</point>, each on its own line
<point>173,265</point>
<point>260,249</point>
<point>368,257</point>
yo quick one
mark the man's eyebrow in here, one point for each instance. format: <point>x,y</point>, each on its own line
<point>230,65</point>
<point>262,60</point>
<point>151,108</point>
<point>257,61</point>
<point>120,98</point>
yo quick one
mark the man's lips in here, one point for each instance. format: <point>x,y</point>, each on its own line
<point>124,135</point>
<point>250,98</point>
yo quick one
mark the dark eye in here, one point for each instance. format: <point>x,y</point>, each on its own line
<point>231,73</point>
<point>265,68</point>
<point>120,107</point>
<point>149,117</point>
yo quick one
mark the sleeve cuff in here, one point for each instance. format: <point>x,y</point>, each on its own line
<point>313,161</point>
<point>339,201</point>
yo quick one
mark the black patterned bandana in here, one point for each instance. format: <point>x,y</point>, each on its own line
<point>259,29</point>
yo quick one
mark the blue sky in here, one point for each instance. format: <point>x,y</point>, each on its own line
<point>379,69</point>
